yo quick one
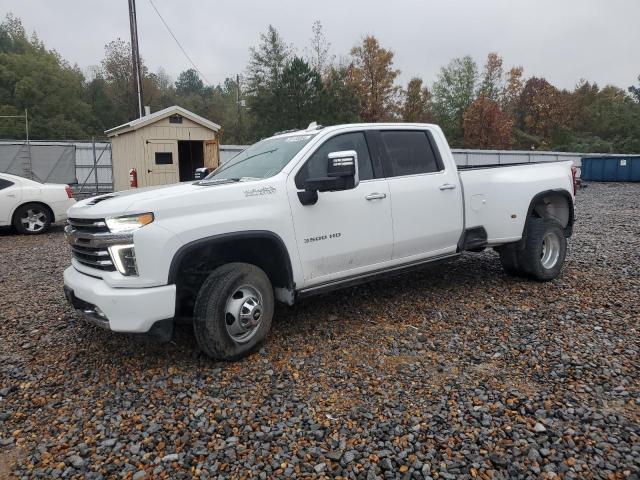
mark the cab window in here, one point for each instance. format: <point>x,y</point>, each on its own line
<point>409,152</point>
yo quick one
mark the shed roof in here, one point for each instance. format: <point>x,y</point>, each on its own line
<point>159,115</point>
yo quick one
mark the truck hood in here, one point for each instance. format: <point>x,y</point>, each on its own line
<point>160,198</point>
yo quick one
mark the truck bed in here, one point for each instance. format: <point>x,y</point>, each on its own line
<point>497,197</point>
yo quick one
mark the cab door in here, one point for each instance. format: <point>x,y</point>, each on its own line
<point>427,201</point>
<point>344,232</point>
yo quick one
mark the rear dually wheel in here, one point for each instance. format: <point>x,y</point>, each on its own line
<point>544,250</point>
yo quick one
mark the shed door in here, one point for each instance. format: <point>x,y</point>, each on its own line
<point>161,162</point>
<point>211,154</point>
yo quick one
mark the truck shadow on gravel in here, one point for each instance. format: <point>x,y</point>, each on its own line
<point>337,318</point>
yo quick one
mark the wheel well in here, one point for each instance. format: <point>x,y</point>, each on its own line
<point>194,262</point>
<point>13,216</point>
<point>554,204</point>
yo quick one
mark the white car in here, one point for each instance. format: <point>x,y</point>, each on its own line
<point>302,213</point>
<point>30,206</point>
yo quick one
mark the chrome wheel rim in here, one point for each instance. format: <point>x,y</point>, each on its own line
<point>550,250</point>
<point>243,313</point>
<point>33,220</point>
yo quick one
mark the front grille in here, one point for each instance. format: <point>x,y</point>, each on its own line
<point>89,225</point>
<point>93,257</point>
<point>87,247</point>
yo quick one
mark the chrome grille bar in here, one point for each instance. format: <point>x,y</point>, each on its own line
<point>87,223</point>
<point>89,240</point>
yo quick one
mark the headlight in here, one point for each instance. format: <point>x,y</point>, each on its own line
<point>124,258</point>
<point>128,223</point>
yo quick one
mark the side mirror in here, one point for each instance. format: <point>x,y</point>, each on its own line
<point>342,174</point>
<point>344,165</point>
<point>200,173</point>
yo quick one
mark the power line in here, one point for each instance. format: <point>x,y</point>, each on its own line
<point>179,45</point>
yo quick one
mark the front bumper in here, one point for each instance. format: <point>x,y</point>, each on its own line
<point>133,310</point>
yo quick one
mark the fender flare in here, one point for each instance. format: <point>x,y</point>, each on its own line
<point>185,249</point>
<point>568,230</point>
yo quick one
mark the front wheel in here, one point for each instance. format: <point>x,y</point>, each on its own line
<point>233,311</point>
<point>545,249</point>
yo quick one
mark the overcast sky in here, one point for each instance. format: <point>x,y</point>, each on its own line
<point>561,40</point>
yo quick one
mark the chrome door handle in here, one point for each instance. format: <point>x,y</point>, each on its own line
<point>447,186</point>
<point>376,196</point>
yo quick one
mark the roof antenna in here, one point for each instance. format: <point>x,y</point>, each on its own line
<point>312,126</point>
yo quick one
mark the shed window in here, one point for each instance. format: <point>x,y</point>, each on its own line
<point>175,119</point>
<point>164,158</point>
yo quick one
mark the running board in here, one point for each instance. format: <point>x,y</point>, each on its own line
<point>373,275</point>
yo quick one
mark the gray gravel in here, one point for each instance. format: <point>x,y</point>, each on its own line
<point>458,371</point>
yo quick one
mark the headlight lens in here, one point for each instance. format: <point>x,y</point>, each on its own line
<point>128,223</point>
<point>124,258</point>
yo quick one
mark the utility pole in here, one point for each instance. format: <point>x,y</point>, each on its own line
<point>238,106</point>
<point>135,55</point>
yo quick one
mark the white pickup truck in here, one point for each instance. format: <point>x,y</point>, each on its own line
<point>302,213</point>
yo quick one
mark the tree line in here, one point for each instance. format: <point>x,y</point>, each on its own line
<point>489,107</point>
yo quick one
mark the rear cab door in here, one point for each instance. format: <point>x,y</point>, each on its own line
<point>426,197</point>
<point>346,232</point>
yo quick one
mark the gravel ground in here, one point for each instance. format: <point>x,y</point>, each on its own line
<point>454,372</point>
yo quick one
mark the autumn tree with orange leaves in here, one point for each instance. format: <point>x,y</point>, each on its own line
<point>486,125</point>
<point>373,77</point>
<point>542,109</point>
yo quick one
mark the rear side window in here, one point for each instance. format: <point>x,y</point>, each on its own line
<point>5,183</point>
<point>409,153</point>
<point>316,165</point>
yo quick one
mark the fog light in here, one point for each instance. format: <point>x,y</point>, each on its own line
<point>124,258</point>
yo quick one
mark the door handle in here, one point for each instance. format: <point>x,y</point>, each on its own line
<point>447,186</point>
<point>11,194</point>
<point>149,171</point>
<point>376,196</point>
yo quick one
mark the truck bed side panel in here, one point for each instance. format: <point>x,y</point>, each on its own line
<point>498,199</point>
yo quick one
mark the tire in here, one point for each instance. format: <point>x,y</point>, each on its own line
<point>32,219</point>
<point>233,311</point>
<point>545,249</point>
<point>509,260</point>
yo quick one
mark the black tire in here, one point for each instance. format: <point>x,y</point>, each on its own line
<point>210,321</point>
<point>541,232</point>
<point>509,260</point>
<point>32,219</point>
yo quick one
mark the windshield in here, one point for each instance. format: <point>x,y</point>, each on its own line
<point>263,159</point>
